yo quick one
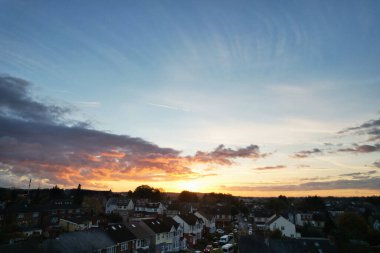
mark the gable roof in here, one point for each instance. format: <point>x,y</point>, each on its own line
<point>157,225</point>
<point>190,218</point>
<point>139,229</point>
<point>119,233</point>
<point>79,242</point>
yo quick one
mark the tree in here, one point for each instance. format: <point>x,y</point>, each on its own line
<point>56,193</point>
<point>186,196</point>
<point>147,192</point>
<point>311,203</point>
<point>352,226</point>
<point>78,195</point>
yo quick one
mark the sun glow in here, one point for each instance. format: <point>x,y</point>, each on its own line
<point>192,185</point>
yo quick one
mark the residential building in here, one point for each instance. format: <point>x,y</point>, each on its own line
<point>278,222</point>
<point>192,227</point>
<point>208,221</point>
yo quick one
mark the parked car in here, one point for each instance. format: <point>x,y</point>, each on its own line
<point>228,248</point>
<point>220,231</point>
<point>208,249</point>
<point>225,239</point>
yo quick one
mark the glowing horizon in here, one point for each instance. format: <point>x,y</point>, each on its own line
<point>247,97</point>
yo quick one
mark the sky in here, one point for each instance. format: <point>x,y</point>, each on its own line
<point>251,98</point>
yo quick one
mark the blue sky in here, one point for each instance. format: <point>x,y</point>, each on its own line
<point>190,75</point>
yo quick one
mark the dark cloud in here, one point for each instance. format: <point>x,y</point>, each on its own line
<point>37,141</point>
<point>223,155</point>
<point>377,164</point>
<point>368,128</point>
<point>307,153</point>
<point>271,167</point>
<point>361,148</point>
<point>359,175</point>
<point>16,102</point>
<point>367,183</point>
<point>366,125</point>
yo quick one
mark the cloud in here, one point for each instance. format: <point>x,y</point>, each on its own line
<point>370,128</point>
<point>366,125</point>
<point>222,155</point>
<point>367,183</point>
<point>307,153</point>
<point>377,164</point>
<point>271,167</point>
<point>36,140</point>
<point>361,148</point>
<point>16,102</point>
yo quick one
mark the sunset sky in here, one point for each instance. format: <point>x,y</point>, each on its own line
<point>252,98</point>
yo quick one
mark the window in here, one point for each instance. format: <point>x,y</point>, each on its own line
<point>111,249</point>
<point>282,228</point>
<point>124,246</point>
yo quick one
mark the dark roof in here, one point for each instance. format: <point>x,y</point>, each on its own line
<point>157,225</point>
<point>139,229</point>
<point>273,219</point>
<point>205,214</point>
<point>262,213</point>
<point>170,222</point>
<point>260,244</point>
<point>78,242</point>
<point>33,245</point>
<point>119,233</point>
<point>190,218</point>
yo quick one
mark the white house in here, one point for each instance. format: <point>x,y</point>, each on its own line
<point>119,205</point>
<point>149,207</point>
<point>166,235</point>
<point>192,227</point>
<point>277,222</point>
<point>208,220</point>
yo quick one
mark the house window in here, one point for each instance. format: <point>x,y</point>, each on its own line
<point>124,246</point>
<point>111,249</point>
<point>282,228</point>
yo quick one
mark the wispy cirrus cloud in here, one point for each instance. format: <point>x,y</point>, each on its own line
<point>37,140</point>
<point>271,167</point>
<point>307,153</point>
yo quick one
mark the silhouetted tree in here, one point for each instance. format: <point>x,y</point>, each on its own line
<point>311,203</point>
<point>147,192</point>
<point>78,195</point>
<point>352,226</point>
<point>56,193</point>
<point>186,196</point>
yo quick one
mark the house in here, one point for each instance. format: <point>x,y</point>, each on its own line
<point>179,242</point>
<point>117,205</point>
<point>123,239</point>
<point>223,217</point>
<point>278,222</point>
<point>208,221</point>
<point>144,208</point>
<point>93,240</point>
<point>286,245</point>
<point>315,219</point>
<point>144,236</point>
<point>24,215</point>
<point>164,235</point>
<point>192,227</point>
<point>261,217</point>
<point>77,223</point>
<point>122,206</point>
